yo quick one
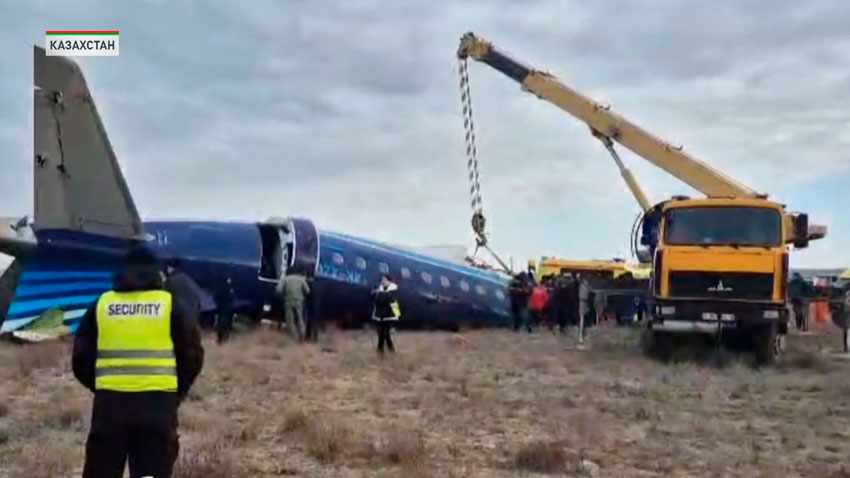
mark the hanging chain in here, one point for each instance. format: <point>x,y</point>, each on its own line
<point>478,222</point>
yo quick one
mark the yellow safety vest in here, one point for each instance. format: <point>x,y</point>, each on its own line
<point>134,348</point>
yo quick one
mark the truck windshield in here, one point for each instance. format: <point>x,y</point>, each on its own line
<point>718,226</point>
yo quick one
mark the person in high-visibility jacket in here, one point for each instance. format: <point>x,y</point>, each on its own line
<point>138,348</point>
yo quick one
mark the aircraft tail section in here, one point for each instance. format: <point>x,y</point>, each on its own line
<point>78,182</point>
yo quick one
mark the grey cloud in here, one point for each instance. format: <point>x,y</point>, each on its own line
<point>348,112</point>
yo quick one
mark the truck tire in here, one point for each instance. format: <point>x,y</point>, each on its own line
<point>768,344</point>
<point>657,344</point>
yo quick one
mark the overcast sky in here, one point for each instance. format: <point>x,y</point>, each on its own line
<point>348,112</point>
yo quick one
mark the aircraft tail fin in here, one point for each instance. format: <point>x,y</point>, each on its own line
<point>78,182</point>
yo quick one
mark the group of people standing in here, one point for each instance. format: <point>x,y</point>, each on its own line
<point>296,305</point>
<point>556,300</point>
<point>296,299</point>
<point>298,296</point>
<point>300,300</point>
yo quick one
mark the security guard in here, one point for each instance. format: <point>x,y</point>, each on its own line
<point>139,351</point>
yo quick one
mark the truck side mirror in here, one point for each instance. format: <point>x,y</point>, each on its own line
<point>644,256</point>
<point>649,228</point>
<point>801,231</point>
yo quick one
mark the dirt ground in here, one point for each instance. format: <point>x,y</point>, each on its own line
<point>476,404</point>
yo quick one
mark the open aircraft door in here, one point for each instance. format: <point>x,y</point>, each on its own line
<point>288,245</point>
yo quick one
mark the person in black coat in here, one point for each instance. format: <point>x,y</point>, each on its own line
<point>562,301</point>
<point>312,310</point>
<point>183,288</point>
<point>385,313</point>
<point>519,291</point>
<point>224,306</point>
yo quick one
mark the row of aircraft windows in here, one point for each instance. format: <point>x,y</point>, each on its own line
<point>360,263</point>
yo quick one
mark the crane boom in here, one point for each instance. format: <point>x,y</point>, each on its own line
<point>604,123</point>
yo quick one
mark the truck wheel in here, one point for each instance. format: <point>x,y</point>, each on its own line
<point>657,344</point>
<point>768,344</point>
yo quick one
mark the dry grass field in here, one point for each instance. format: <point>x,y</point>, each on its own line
<point>478,404</point>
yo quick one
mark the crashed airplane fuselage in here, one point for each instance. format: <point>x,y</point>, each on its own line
<point>85,220</point>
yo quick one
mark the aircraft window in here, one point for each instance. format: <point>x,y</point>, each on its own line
<point>405,272</point>
<point>480,289</point>
<point>445,281</point>
<point>361,263</point>
<point>385,269</point>
<point>464,286</point>
<point>426,277</point>
<point>337,258</point>
<point>500,295</point>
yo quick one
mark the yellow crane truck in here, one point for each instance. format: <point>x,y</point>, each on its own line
<point>719,263</point>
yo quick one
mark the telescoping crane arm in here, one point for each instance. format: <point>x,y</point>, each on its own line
<point>607,125</point>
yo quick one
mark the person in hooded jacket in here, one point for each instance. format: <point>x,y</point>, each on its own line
<point>224,313</point>
<point>312,310</point>
<point>519,290</point>
<point>386,312</point>
<point>182,287</point>
<point>797,293</point>
<point>561,301</point>
<point>139,351</point>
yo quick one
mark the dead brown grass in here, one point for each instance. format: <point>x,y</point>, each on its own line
<point>52,356</point>
<point>47,459</point>
<point>807,360</point>
<point>215,457</point>
<point>325,440</point>
<point>61,415</point>
<point>402,447</point>
<point>295,421</point>
<point>5,433</point>
<point>541,456</point>
<point>481,404</point>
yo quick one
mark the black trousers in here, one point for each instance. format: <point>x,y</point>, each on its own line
<point>385,335</point>
<point>223,326</point>
<point>522,316</point>
<point>312,327</point>
<point>516,313</point>
<point>561,310</point>
<point>137,427</point>
<point>799,315</point>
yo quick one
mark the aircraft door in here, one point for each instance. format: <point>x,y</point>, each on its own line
<point>305,247</point>
<point>276,238</point>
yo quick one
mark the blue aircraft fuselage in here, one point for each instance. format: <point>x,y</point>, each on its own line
<point>68,270</point>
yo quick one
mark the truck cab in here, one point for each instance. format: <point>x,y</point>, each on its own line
<point>718,263</point>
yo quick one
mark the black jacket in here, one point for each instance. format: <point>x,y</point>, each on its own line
<point>224,299</point>
<point>185,333</point>
<point>384,299</point>
<point>314,299</point>
<point>184,289</point>
<point>519,291</point>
